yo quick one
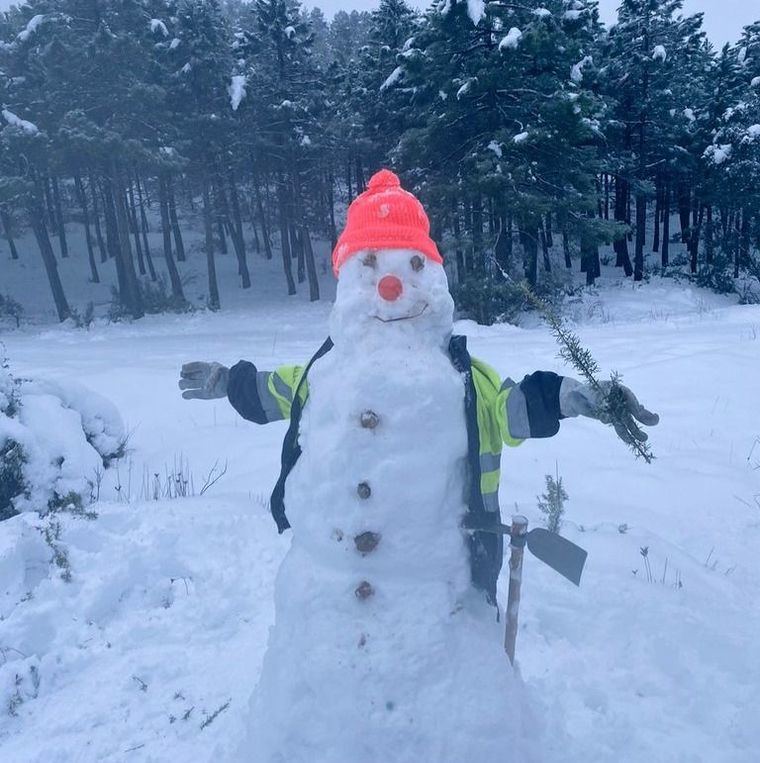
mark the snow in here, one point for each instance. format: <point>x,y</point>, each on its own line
<point>187,68</point>
<point>521,137</point>
<point>576,73</point>
<point>28,127</point>
<point>542,13</point>
<point>475,10</point>
<point>31,27</point>
<point>156,25</point>
<point>66,434</point>
<point>511,40</point>
<point>753,134</point>
<point>175,43</point>
<point>237,90</point>
<point>393,78</point>
<point>659,53</point>
<point>719,153</point>
<point>178,594</point>
<point>573,15</point>
<point>290,32</point>
<point>466,87</point>
<point>689,114</point>
<point>495,146</point>
<point>755,82</point>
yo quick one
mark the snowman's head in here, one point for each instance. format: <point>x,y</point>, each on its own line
<point>391,281</point>
<point>390,293</point>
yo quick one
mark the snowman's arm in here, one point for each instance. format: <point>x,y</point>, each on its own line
<point>530,408</point>
<point>263,396</point>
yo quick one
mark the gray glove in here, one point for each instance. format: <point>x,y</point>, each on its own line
<point>576,399</point>
<point>204,381</point>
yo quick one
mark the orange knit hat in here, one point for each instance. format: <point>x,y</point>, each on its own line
<point>385,216</point>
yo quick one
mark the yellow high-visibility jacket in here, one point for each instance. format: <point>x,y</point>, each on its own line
<point>497,414</point>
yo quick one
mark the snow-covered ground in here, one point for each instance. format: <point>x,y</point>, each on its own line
<point>153,649</point>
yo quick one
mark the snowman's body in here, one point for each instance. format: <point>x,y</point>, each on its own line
<point>381,650</point>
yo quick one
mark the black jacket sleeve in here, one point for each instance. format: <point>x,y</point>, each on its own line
<point>243,392</point>
<point>541,394</point>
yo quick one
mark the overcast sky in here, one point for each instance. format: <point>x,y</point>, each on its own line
<point>724,19</point>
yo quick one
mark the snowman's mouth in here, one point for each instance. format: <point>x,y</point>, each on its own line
<point>404,317</point>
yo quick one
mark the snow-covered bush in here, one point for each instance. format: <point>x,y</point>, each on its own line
<point>55,439</point>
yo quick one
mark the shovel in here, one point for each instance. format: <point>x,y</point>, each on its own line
<point>557,552</point>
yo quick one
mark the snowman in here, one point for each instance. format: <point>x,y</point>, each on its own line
<point>385,647</point>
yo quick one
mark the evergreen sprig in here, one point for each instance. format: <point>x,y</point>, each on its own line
<point>613,403</point>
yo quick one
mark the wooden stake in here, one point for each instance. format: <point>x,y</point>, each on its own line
<point>517,545</point>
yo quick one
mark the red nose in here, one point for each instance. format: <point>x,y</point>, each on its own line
<point>390,288</point>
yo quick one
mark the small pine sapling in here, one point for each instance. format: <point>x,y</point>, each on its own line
<point>552,503</point>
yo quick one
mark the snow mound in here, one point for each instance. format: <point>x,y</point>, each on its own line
<point>55,441</point>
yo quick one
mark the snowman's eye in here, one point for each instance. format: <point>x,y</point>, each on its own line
<point>370,260</point>
<point>417,263</point>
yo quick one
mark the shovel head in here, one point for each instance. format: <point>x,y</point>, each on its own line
<point>557,552</point>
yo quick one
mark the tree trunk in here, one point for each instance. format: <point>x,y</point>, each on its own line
<point>657,216</point>
<point>178,243</point>
<point>545,250</point>
<point>331,207</point>
<point>37,219</point>
<point>109,215</point>
<point>132,213</point>
<point>144,229</point>
<point>348,178</point>
<point>237,239</point>
<point>529,241</point>
<point>171,266</point>
<point>296,249</point>
<point>606,196</point>
<point>641,221</point>
<point>49,208</point>
<point>477,234</point>
<point>566,248</point>
<point>684,210</point>
<point>5,219</point>
<point>129,288</point>
<point>311,267</point>
<point>665,254</point>
<point>744,238</point>
<point>284,235</point>
<point>263,222</point>
<point>59,219</point>
<point>623,258</point>
<point>96,221</point>
<point>697,216</point>
<point>213,286</point>
<point>459,252</point>
<point>501,247</point>
<point>94,276</point>
<point>589,259</point>
<point>709,237</point>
